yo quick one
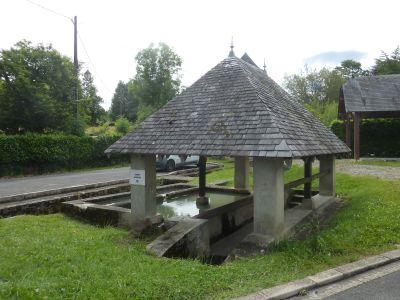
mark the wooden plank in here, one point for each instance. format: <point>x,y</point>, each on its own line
<point>300,181</point>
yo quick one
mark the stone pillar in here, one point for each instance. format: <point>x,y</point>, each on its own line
<point>268,196</point>
<point>327,183</point>
<point>241,173</point>
<point>308,174</point>
<point>143,186</point>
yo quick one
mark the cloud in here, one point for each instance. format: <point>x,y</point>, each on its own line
<point>335,57</point>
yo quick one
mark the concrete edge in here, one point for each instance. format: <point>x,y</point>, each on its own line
<point>74,188</point>
<point>293,288</point>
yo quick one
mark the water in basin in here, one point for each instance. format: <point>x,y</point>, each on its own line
<point>185,205</point>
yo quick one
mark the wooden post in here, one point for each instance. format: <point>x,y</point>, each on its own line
<point>202,199</point>
<point>348,131</point>
<point>307,174</point>
<point>356,149</point>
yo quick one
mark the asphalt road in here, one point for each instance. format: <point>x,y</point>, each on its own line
<point>21,185</point>
<point>382,283</point>
<point>386,287</point>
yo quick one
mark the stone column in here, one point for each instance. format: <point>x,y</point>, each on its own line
<point>327,183</point>
<point>241,173</point>
<point>142,179</point>
<point>268,196</point>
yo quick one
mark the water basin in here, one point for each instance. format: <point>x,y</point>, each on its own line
<point>185,205</point>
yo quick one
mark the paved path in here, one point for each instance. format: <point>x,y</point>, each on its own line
<point>13,186</point>
<point>381,283</point>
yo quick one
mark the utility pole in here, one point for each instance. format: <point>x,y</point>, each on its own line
<point>76,64</point>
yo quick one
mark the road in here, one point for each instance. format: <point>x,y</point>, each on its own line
<point>21,185</point>
<point>382,283</point>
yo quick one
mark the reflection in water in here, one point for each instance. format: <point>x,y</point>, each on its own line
<point>185,205</point>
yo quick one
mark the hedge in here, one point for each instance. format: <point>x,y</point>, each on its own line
<point>378,137</point>
<point>38,153</point>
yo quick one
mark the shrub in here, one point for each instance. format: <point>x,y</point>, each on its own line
<point>122,125</point>
<point>378,137</point>
<point>37,153</point>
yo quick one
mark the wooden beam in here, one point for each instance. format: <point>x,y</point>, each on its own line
<point>202,175</point>
<point>356,149</point>
<point>300,181</point>
<point>348,131</point>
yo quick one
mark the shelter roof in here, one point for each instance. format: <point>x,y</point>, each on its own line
<point>235,109</point>
<point>371,94</point>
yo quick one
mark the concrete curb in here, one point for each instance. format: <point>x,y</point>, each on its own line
<point>27,196</point>
<point>326,277</point>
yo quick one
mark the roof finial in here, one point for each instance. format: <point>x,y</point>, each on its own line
<point>265,67</point>
<point>231,53</point>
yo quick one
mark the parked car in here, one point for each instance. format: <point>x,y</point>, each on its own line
<point>170,162</point>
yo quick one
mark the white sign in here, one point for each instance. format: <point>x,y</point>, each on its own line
<point>137,177</point>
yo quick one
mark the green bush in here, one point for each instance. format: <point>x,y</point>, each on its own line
<point>38,153</point>
<point>378,137</point>
<point>122,125</point>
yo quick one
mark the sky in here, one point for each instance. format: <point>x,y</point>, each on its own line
<point>287,33</point>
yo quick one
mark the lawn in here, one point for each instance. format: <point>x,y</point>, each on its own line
<point>55,257</point>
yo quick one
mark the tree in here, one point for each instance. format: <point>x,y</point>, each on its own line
<point>157,77</point>
<point>120,102</point>
<point>36,88</point>
<point>350,68</point>
<point>387,64</point>
<point>92,109</point>
<point>313,85</point>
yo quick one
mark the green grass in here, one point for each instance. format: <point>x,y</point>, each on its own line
<point>59,258</point>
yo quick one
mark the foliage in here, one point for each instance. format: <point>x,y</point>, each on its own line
<point>387,64</point>
<point>350,68</point>
<point>75,125</point>
<point>367,224</point>
<point>90,102</point>
<point>122,125</point>
<point>121,102</point>
<point>37,87</point>
<point>325,111</point>
<point>105,129</point>
<point>315,85</point>
<point>48,152</point>
<point>157,81</point>
<point>378,137</point>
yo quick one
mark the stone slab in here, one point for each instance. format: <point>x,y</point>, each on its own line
<point>326,277</point>
<point>283,291</point>
<point>394,254</point>
<point>362,265</point>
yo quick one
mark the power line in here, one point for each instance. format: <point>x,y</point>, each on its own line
<point>50,10</point>
<point>91,62</point>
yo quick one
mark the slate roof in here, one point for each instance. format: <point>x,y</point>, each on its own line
<point>248,59</point>
<point>235,109</point>
<point>373,93</point>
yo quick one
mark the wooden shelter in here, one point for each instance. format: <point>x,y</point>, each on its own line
<point>368,97</point>
<point>234,110</point>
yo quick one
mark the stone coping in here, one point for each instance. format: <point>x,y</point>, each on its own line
<point>64,190</point>
<point>293,288</point>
